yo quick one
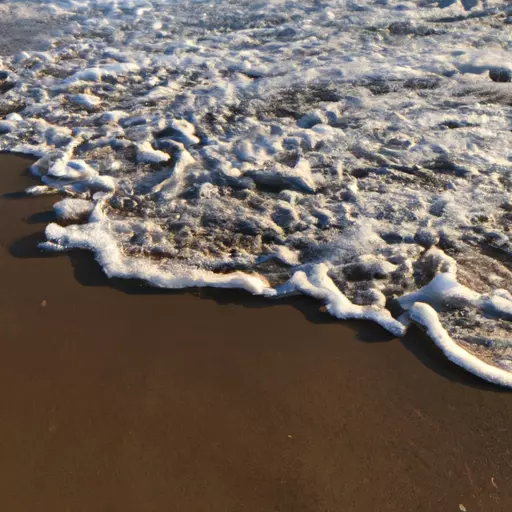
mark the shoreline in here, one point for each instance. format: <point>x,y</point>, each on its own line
<point>119,396</point>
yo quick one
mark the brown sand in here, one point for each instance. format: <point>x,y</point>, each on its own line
<point>116,398</point>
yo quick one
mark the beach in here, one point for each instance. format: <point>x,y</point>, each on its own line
<point>117,397</point>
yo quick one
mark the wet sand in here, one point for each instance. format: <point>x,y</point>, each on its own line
<point>114,397</point>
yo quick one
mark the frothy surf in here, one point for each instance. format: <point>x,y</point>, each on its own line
<point>358,152</point>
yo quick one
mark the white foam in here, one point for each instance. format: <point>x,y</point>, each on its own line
<point>96,237</point>
<point>319,285</point>
<point>73,209</point>
<point>147,154</point>
<point>355,152</point>
<point>442,291</point>
<point>40,190</point>
<point>88,101</point>
<point>427,317</point>
<point>95,74</point>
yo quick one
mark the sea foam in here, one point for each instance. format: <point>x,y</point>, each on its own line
<point>357,152</point>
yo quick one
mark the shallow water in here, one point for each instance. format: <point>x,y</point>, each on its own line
<point>353,151</point>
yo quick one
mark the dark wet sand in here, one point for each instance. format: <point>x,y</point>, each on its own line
<point>117,398</point>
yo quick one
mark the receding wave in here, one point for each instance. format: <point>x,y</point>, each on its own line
<point>358,152</point>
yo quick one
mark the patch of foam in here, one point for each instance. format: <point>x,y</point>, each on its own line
<point>319,285</point>
<point>146,154</point>
<point>73,209</point>
<point>96,74</point>
<point>98,238</point>
<point>427,317</point>
<point>87,101</point>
